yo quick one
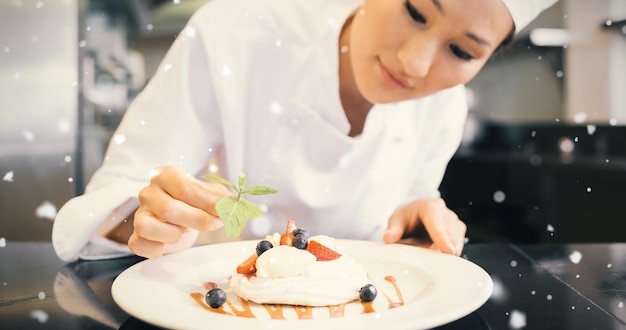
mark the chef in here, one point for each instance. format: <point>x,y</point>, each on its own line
<point>351,109</point>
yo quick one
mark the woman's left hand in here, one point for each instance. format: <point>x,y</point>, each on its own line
<point>428,223</point>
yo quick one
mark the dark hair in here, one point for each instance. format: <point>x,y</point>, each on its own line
<point>505,44</point>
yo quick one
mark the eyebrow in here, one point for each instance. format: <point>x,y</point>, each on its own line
<point>439,7</point>
<point>470,35</point>
<point>477,39</point>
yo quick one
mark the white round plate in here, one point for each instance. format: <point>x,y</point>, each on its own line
<point>433,289</point>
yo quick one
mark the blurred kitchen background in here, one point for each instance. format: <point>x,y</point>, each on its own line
<point>543,158</point>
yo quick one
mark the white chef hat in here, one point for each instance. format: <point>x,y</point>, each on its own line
<point>524,11</point>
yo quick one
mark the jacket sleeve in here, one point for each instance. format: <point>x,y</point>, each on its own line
<point>174,121</point>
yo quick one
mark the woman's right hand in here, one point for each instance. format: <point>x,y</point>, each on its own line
<point>172,209</point>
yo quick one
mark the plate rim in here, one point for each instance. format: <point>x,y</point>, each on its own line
<point>370,320</point>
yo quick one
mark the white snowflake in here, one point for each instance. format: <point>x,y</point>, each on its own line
<point>517,319</point>
<point>575,257</point>
<point>8,176</point>
<point>39,315</point>
<point>46,210</point>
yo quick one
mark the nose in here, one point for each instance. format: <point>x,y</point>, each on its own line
<point>417,55</point>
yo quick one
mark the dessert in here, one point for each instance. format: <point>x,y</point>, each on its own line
<point>295,269</point>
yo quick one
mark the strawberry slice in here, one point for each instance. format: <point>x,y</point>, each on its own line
<point>322,252</point>
<point>291,225</point>
<point>248,267</point>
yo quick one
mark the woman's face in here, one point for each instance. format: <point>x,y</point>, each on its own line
<point>406,49</point>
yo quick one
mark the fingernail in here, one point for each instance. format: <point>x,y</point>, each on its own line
<point>452,248</point>
<point>217,224</point>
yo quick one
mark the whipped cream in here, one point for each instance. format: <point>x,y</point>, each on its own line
<point>287,275</point>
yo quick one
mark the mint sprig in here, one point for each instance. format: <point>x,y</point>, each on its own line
<point>234,210</point>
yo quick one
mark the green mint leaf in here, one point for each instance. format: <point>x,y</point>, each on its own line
<point>234,210</point>
<point>259,190</point>
<point>235,214</point>
<point>221,180</point>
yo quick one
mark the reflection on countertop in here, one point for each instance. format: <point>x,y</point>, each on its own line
<point>540,183</point>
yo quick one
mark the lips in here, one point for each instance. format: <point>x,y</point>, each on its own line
<point>393,77</point>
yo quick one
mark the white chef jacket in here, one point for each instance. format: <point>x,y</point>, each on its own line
<point>255,83</point>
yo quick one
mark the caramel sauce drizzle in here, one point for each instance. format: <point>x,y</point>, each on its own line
<point>304,312</point>
<point>368,307</point>
<point>199,298</point>
<point>337,310</point>
<point>275,311</point>
<point>393,304</point>
<point>245,312</point>
<point>393,282</point>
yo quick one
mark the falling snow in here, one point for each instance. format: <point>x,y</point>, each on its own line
<point>514,263</point>
<point>41,295</point>
<point>580,117</point>
<point>591,129</point>
<point>119,138</point>
<point>517,319</point>
<point>575,257</point>
<point>39,315</point>
<point>153,173</point>
<point>3,242</point>
<point>226,71</point>
<point>46,210</point>
<point>276,107</point>
<point>499,196</point>
<point>8,176</point>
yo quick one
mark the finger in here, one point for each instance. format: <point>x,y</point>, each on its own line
<point>435,222</point>
<point>145,248</point>
<point>171,210</point>
<point>148,227</point>
<point>183,187</point>
<point>187,240</point>
<point>395,229</point>
<point>457,233</point>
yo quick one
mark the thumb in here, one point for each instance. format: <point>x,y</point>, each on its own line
<point>395,230</point>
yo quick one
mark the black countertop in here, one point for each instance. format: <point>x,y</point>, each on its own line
<point>536,286</point>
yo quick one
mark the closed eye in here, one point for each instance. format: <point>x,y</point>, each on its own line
<point>460,53</point>
<point>415,14</point>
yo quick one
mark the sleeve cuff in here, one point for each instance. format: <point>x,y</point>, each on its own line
<point>74,231</point>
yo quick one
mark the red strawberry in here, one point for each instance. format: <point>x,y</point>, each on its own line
<point>321,252</point>
<point>248,267</point>
<point>286,239</point>
<point>291,225</point>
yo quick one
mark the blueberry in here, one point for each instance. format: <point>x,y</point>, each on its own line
<point>300,231</point>
<point>215,297</point>
<point>368,293</point>
<point>300,241</point>
<point>263,246</point>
